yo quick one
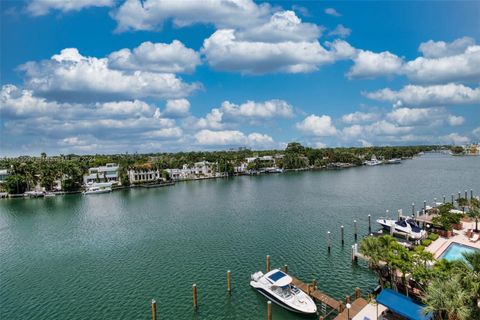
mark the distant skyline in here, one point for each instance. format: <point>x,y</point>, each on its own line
<point>116,76</point>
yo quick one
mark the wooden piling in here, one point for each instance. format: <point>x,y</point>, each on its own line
<point>229,282</point>
<point>329,241</point>
<point>459,195</point>
<point>452,198</point>
<point>154,310</point>
<point>413,208</point>
<point>471,194</point>
<point>285,268</point>
<point>268,263</point>
<point>355,228</point>
<point>341,232</point>
<point>466,195</point>
<point>369,224</point>
<point>194,289</point>
<point>358,293</point>
<point>314,284</point>
<point>340,306</point>
<point>424,205</point>
<point>269,310</point>
<point>347,299</point>
<point>443,199</point>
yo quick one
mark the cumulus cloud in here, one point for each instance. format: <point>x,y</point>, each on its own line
<point>320,126</point>
<point>455,120</point>
<point>332,12</point>
<point>368,64</point>
<point>156,57</point>
<point>458,61</point>
<point>20,102</point>
<point>258,110</point>
<point>71,76</point>
<point>359,117</point>
<point>231,137</point>
<point>177,108</point>
<point>411,116</point>
<point>341,31</point>
<point>151,14</point>
<point>455,138</point>
<point>225,51</point>
<point>415,95</point>
<point>43,7</point>
<point>476,132</point>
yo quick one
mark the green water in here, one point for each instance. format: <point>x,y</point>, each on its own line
<point>108,255</point>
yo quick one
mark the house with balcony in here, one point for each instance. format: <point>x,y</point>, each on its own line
<point>106,173</point>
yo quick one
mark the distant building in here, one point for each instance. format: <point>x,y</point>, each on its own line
<point>3,175</point>
<point>106,173</point>
<point>144,175</point>
<point>203,168</point>
<point>181,174</point>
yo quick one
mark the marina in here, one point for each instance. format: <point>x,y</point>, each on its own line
<point>125,247</point>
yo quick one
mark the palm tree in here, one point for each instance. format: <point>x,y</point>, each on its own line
<point>447,297</point>
<point>372,249</point>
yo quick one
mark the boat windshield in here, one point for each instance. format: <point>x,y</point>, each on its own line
<point>401,223</point>
<point>283,292</point>
<point>415,227</point>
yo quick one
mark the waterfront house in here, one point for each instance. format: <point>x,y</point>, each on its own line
<point>106,173</point>
<point>3,175</point>
<point>203,168</point>
<point>181,174</point>
<point>144,175</point>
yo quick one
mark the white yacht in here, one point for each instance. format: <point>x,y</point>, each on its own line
<point>373,161</point>
<point>404,226</point>
<point>277,286</point>
<point>96,188</point>
<point>394,161</point>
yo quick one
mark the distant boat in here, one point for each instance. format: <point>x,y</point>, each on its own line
<point>277,286</point>
<point>34,194</point>
<point>403,226</point>
<point>49,194</point>
<point>373,162</point>
<point>394,161</point>
<point>96,188</point>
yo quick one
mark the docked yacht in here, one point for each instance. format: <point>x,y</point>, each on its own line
<point>394,161</point>
<point>96,188</point>
<point>373,161</point>
<point>277,286</point>
<point>405,226</point>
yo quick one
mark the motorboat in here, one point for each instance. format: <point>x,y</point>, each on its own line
<point>96,188</point>
<point>373,161</point>
<point>33,194</point>
<point>277,286</point>
<point>49,194</point>
<point>405,226</point>
<point>394,161</point>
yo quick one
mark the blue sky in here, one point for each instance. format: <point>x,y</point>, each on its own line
<point>106,76</point>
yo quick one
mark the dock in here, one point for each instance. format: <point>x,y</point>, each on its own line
<point>318,295</point>
<point>357,306</point>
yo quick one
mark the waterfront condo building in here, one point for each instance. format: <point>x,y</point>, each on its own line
<point>106,173</point>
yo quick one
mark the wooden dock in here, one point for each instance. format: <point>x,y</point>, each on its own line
<point>357,305</point>
<point>318,295</point>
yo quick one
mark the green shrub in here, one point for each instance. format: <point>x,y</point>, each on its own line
<point>426,242</point>
<point>433,236</point>
<point>419,248</point>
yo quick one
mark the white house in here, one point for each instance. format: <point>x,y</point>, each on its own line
<point>106,173</point>
<point>203,168</point>
<point>3,175</point>
<point>181,174</point>
<point>144,175</point>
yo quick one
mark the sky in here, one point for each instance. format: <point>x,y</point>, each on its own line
<point>116,76</point>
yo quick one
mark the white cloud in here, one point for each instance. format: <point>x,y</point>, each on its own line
<point>151,14</point>
<point>415,95</point>
<point>332,12</point>
<point>368,64</point>
<point>213,120</point>
<point>258,110</point>
<point>177,107</point>
<point>455,120</point>
<point>411,116</point>
<point>231,137</point>
<point>341,31</point>
<point>156,57</point>
<point>354,131</point>
<point>384,127</point>
<point>282,26</point>
<point>131,108</point>
<point>476,132</point>
<point>439,49</point>
<point>359,117</point>
<point>71,76</point>
<point>455,138</point>
<point>18,102</point>
<point>43,7</point>
<point>224,51</point>
<point>317,126</point>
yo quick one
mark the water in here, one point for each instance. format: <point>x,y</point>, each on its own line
<point>106,256</point>
<point>455,251</point>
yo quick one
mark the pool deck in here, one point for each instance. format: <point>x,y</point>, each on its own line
<point>441,244</point>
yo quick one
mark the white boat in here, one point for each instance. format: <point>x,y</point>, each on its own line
<point>97,190</point>
<point>33,194</point>
<point>394,161</point>
<point>49,194</point>
<point>404,226</point>
<point>277,286</point>
<point>373,161</point>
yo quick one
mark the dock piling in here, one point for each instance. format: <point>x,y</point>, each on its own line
<point>269,310</point>
<point>341,233</point>
<point>355,229</point>
<point>413,208</point>
<point>347,298</point>
<point>154,309</point>
<point>194,289</point>
<point>471,194</point>
<point>314,284</point>
<point>285,269</point>
<point>459,196</point>
<point>329,241</point>
<point>268,263</point>
<point>443,199</point>
<point>424,205</point>
<point>229,282</point>
<point>466,195</point>
<point>369,224</point>
<point>452,198</point>
<point>358,293</point>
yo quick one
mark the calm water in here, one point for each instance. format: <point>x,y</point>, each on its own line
<point>99,256</point>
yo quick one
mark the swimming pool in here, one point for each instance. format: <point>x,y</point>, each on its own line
<point>455,251</point>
